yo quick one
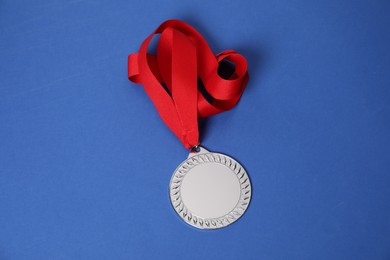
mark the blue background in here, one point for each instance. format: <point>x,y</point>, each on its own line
<point>85,161</point>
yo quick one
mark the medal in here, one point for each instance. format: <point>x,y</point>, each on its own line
<point>208,190</point>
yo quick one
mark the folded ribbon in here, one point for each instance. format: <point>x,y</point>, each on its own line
<point>170,78</point>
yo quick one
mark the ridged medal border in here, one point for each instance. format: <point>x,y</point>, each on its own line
<point>209,223</point>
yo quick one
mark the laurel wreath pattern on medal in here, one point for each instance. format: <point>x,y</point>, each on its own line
<point>210,223</point>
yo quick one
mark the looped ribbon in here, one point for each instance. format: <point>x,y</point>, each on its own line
<point>170,78</point>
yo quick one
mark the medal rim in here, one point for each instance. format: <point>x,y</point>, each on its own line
<point>210,223</point>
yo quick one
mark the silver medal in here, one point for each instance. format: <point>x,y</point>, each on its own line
<point>210,190</point>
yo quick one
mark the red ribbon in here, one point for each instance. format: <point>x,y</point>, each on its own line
<point>170,78</point>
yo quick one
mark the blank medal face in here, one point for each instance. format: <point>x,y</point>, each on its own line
<point>210,190</point>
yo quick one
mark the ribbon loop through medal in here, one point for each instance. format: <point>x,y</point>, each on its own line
<point>170,78</point>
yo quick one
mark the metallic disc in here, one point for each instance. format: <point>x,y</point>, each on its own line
<point>210,190</point>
